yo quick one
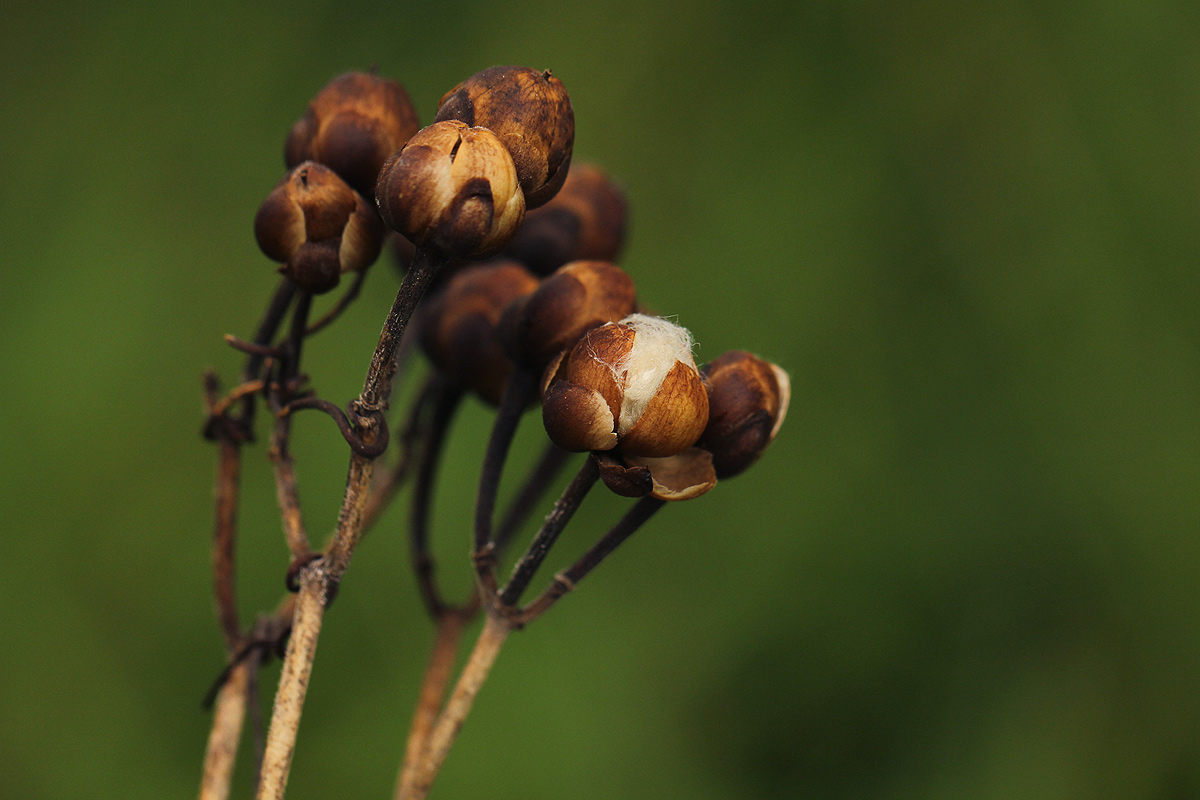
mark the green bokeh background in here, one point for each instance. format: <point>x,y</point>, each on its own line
<point>967,567</point>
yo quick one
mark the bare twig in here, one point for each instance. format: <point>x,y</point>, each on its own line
<point>221,753</point>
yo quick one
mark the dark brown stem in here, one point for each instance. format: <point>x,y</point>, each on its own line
<point>225,541</point>
<point>445,403</point>
<point>569,578</point>
<point>517,394</point>
<point>319,580</point>
<point>389,480</point>
<point>348,297</point>
<point>543,474</point>
<point>561,514</point>
<point>286,491</point>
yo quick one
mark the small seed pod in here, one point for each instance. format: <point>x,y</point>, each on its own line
<point>317,227</point>
<point>452,188</point>
<point>679,477</point>
<point>352,126</point>
<point>584,222</point>
<point>748,399</point>
<point>458,325</point>
<point>576,298</point>
<point>530,112</point>
<point>631,385</point>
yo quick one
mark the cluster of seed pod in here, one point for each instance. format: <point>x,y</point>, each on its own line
<point>550,320</point>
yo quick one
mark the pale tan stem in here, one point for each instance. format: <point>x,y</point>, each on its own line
<point>491,639</point>
<point>293,685</point>
<point>450,626</point>
<point>318,581</point>
<point>226,731</point>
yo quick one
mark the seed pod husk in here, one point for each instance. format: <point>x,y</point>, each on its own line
<point>748,400</point>
<point>458,325</point>
<point>317,227</point>
<point>352,126</point>
<point>584,222</point>
<point>576,298</point>
<point>452,188</point>
<point>531,113</point>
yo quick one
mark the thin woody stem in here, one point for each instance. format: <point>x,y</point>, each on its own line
<point>228,717</point>
<point>225,539</point>
<point>341,305</point>
<point>387,481</point>
<point>319,580</point>
<point>544,472</point>
<point>445,730</point>
<point>286,491</point>
<point>450,626</point>
<point>559,516</point>
<point>267,327</point>
<point>445,404</point>
<point>569,578</point>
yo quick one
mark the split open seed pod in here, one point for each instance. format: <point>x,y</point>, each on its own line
<point>631,385</point>
<point>352,126</point>
<point>452,188</point>
<point>317,227</point>
<point>531,113</point>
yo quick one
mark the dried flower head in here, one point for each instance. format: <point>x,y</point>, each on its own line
<point>458,325</point>
<point>748,399</point>
<point>352,126</point>
<point>576,298</point>
<point>584,222</point>
<point>453,188</point>
<point>530,112</point>
<point>631,385</point>
<point>317,227</point>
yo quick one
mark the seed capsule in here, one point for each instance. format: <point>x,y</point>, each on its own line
<point>317,227</point>
<point>576,298</point>
<point>584,222</point>
<point>748,400</point>
<point>458,325</point>
<point>530,112</point>
<point>453,188</point>
<point>352,126</point>
<point>630,385</point>
<point>679,477</point>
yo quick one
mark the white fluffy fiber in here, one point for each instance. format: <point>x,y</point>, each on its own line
<point>657,345</point>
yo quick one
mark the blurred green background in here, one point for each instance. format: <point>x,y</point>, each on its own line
<point>967,567</point>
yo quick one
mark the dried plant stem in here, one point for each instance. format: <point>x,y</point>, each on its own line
<point>226,731</point>
<point>445,730</point>
<point>544,472</point>
<point>225,540</point>
<point>319,579</point>
<point>450,627</point>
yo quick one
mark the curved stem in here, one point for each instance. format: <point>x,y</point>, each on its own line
<point>517,394</point>
<point>445,730</point>
<point>547,469</point>
<point>566,580</point>
<point>286,491</point>
<point>445,404</point>
<point>559,516</point>
<point>320,579</point>
<point>348,297</point>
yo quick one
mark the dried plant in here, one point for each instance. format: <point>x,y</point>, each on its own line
<point>616,384</point>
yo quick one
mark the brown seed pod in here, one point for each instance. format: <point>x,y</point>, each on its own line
<point>748,399</point>
<point>576,298</point>
<point>458,325</point>
<point>679,477</point>
<point>584,222</point>
<point>317,227</point>
<point>530,112</point>
<point>352,126</point>
<point>452,188</point>
<point>630,385</point>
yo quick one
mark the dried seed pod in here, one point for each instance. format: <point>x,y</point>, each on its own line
<point>630,385</point>
<point>748,399</point>
<point>679,477</point>
<point>452,188</point>
<point>584,222</point>
<point>458,325</point>
<point>530,112</point>
<point>352,126</point>
<point>317,227</point>
<point>576,298</point>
